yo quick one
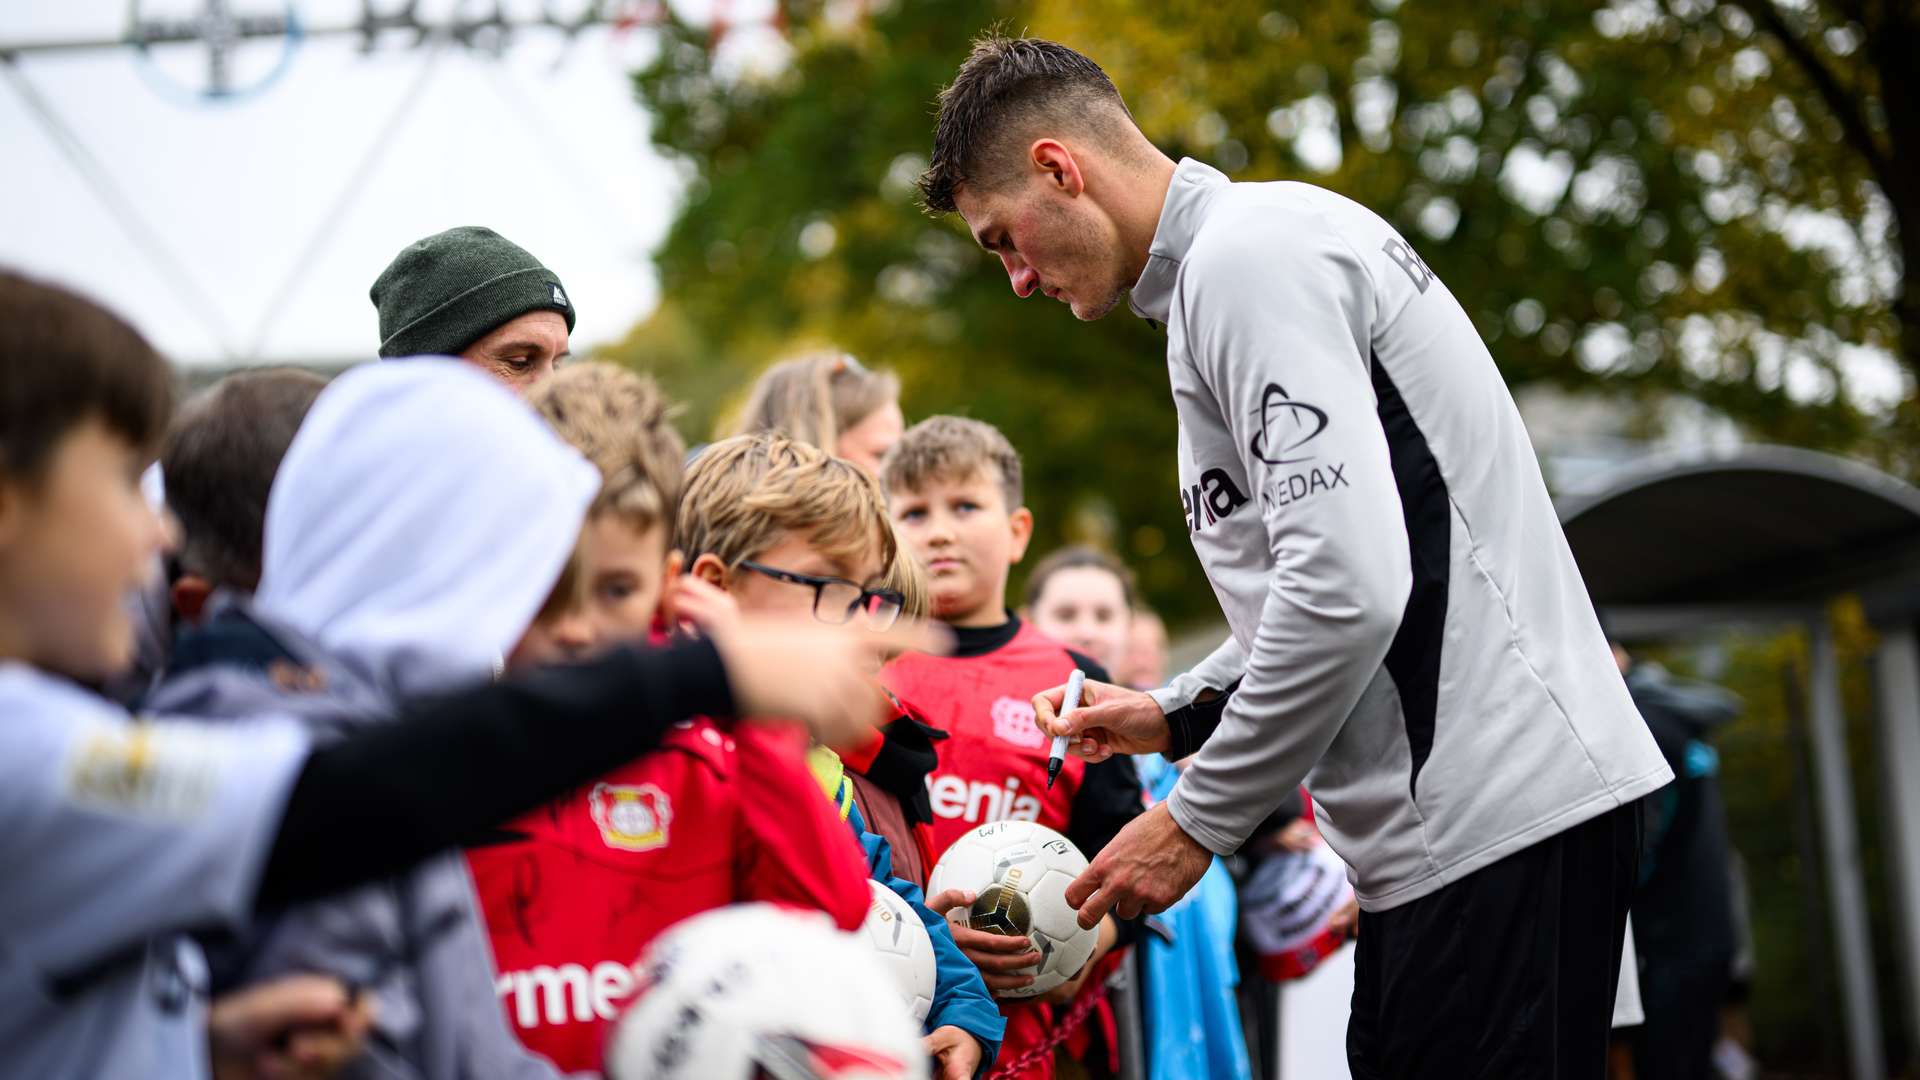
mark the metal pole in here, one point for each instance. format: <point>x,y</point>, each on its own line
<point>1130,1015</point>
<point>1853,953</point>
<point>1897,678</point>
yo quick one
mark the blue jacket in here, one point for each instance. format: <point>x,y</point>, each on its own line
<point>960,996</point>
<point>1192,1015</point>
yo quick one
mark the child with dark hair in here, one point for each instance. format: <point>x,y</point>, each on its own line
<point>219,460</point>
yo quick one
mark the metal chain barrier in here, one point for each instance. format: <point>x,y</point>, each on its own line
<point>1076,1016</point>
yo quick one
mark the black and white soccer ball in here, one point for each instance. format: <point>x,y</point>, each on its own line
<point>755,990</point>
<point>1019,872</point>
<point>898,937</point>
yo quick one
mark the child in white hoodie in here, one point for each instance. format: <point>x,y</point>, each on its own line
<point>417,524</point>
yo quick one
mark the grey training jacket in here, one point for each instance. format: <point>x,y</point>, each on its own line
<point>1410,632</point>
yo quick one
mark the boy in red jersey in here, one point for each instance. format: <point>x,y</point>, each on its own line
<point>573,893</point>
<point>783,528</point>
<point>954,488</point>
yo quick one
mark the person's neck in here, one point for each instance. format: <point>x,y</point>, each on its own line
<point>15,643</point>
<point>985,616</point>
<point>1138,216</point>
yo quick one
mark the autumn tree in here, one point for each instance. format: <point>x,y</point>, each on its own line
<point>1647,199</point>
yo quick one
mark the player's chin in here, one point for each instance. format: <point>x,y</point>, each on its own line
<point>1098,310</point>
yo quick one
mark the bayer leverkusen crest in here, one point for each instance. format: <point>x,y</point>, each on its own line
<point>632,817</point>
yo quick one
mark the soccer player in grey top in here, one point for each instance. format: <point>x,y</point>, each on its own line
<point>1410,636</point>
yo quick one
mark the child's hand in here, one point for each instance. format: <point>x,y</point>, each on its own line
<point>691,601</point>
<point>295,1026</point>
<point>956,1054</point>
<point>1110,720</point>
<point>999,957</point>
<point>801,669</point>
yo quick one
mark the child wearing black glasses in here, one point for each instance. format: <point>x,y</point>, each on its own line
<point>784,529</point>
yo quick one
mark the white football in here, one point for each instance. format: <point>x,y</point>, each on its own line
<point>896,933</point>
<point>756,990</point>
<point>1019,871</point>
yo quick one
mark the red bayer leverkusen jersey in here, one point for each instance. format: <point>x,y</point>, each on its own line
<point>575,891</point>
<point>993,765</point>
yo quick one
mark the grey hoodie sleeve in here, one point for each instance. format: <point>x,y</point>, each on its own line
<point>1278,312</point>
<point>1222,668</point>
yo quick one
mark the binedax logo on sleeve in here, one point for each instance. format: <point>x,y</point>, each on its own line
<point>164,771</point>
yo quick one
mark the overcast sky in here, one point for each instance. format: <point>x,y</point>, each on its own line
<point>546,145</point>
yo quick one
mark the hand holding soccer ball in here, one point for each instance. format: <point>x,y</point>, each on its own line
<point>1017,873</point>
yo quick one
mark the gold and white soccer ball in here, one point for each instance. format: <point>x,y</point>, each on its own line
<point>901,941</point>
<point>757,990</point>
<point>1019,872</point>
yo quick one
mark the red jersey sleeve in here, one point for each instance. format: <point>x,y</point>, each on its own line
<point>792,848</point>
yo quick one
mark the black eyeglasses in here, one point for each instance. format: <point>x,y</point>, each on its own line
<point>839,601</point>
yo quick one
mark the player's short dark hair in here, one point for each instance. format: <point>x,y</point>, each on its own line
<point>1079,557</point>
<point>65,360</point>
<point>1005,87</point>
<point>219,460</point>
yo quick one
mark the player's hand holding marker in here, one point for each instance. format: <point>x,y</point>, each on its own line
<point>1153,862</point>
<point>1107,720</point>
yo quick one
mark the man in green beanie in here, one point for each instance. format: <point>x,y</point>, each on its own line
<point>472,293</point>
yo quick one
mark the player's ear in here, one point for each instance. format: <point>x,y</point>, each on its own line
<point>1058,163</point>
<point>710,569</point>
<point>1020,523</point>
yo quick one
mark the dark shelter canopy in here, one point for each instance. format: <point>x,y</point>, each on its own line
<point>1765,525</point>
<point>1772,534</point>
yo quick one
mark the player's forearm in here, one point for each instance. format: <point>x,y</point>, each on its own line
<point>1206,680</point>
<point>381,800</point>
<point>1306,672</point>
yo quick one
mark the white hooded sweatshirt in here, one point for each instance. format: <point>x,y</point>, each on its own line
<point>415,527</point>
<point>418,522</point>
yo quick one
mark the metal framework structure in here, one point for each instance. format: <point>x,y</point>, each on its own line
<point>223,27</point>
<point>221,30</point>
<point>1769,536</point>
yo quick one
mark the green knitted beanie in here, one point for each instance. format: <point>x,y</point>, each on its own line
<point>448,291</point>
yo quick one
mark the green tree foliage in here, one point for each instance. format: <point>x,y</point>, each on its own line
<point>1656,197</point>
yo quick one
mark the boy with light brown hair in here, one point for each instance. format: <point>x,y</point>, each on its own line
<point>955,491</point>
<point>786,529</point>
